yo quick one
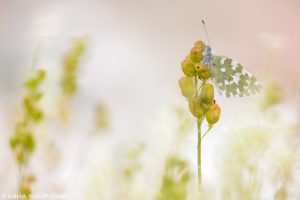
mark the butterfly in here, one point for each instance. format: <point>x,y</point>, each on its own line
<point>229,76</point>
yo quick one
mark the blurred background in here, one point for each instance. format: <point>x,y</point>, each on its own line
<point>125,132</point>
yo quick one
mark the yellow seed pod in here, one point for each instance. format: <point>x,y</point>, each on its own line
<point>203,71</point>
<point>213,114</point>
<point>28,142</point>
<point>205,106</point>
<point>30,178</point>
<point>187,86</point>
<point>25,190</point>
<point>20,155</point>
<point>40,75</point>
<point>188,67</point>
<point>196,54</point>
<point>195,107</point>
<point>199,44</point>
<point>207,93</point>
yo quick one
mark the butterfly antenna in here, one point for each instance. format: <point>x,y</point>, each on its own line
<point>203,22</point>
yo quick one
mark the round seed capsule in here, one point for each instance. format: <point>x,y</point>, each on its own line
<point>40,75</point>
<point>205,106</point>
<point>203,71</point>
<point>188,67</point>
<point>187,86</point>
<point>207,93</point>
<point>199,44</point>
<point>30,178</point>
<point>28,142</point>
<point>196,54</point>
<point>213,114</point>
<point>20,155</point>
<point>14,141</point>
<point>195,107</point>
<point>25,190</point>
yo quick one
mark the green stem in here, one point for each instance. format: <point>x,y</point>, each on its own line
<point>206,132</point>
<point>199,123</point>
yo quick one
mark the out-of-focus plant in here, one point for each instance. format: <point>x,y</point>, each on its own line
<point>200,94</point>
<point>22,141</point>
<point>133,164</point>
<point>118,179</point>
<point>240,172</point>
<point>101,117</point>
<point>262,158</point>
<point>68,82</point>
<point>175,179</point>
<point>272,96</point>
<point>129,171</point>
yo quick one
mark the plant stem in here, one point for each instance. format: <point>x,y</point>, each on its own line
<point>206,132</point>
<point>199,123</point>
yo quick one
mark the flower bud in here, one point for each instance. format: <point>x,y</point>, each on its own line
<point>188,67</point>
<point>199,44</point>
<point>195,107</point>
<point>207,93</point>
<point>196,54</point>
<point>213,114</point>
<point>203,71</point>
<point>187,87</point>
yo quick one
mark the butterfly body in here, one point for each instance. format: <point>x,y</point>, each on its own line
<point>229,76</point>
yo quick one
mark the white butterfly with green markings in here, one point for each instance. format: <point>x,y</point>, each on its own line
<point>229,76</point>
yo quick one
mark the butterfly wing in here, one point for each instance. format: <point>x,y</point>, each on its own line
<point>231,78</point>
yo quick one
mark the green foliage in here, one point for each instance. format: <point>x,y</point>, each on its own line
<point>133,165</point>
<point>22,140</point>
<point>175,179</point>
<point>71,64</point>
<point>23,136</point>
<point>272,96</point>
<point>68,80</point>
<point>101,115</point>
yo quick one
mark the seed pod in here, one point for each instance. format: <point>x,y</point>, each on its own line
<point>187,87</point>
<point>14,141</point>
<point>25,190</point>
<point>205,106</point>
<point>36,115</point>
<point>203,71</point>
<point>28,142</point>
<point>31,83</point>
<point>195,107</point>
<point>213,114</point>
<point>30,178</point>
<point>199,44</point>
<point>20,155</point>
<point>40,75</point>
<point>188,67</point>
<point>196,54</point>
<point>207,93</point>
